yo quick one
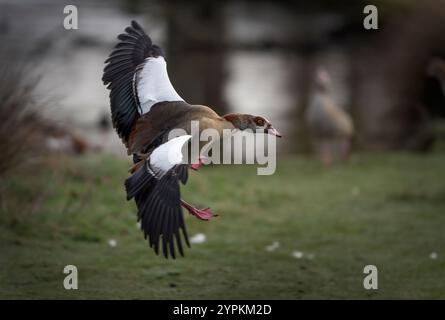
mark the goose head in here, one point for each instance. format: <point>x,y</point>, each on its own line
<point>247,121</point>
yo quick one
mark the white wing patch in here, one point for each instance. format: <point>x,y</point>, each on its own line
<point>167,155</point>
<point>153,84</point>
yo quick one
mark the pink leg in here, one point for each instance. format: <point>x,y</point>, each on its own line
<point>203,214</point>
<point>195,166</point>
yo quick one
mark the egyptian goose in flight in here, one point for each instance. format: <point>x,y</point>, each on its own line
<point>144,109</point>
<point>330,126</point>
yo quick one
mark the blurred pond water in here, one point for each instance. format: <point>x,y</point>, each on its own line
<point>71,62</point>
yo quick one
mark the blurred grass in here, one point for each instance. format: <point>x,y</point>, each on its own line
<point>381,209</point>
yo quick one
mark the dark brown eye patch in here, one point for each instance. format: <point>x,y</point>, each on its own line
<point>260,121</point>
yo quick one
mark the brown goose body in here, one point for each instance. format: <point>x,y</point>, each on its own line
<point>166,116</point>
<point>326,120</point>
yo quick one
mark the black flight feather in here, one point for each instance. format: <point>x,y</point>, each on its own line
<point>158,199</point>
<point>134,47</point>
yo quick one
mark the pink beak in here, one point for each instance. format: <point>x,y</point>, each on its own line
<point>274,132</point>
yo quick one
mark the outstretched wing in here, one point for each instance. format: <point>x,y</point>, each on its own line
<point>136,74</point>
<point>155,188</point>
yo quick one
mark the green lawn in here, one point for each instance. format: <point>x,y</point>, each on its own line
<point>382,209</point>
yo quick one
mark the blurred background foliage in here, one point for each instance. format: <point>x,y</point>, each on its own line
<point>244,56</point>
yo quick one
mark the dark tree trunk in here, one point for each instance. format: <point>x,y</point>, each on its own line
<point>196,52</point>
